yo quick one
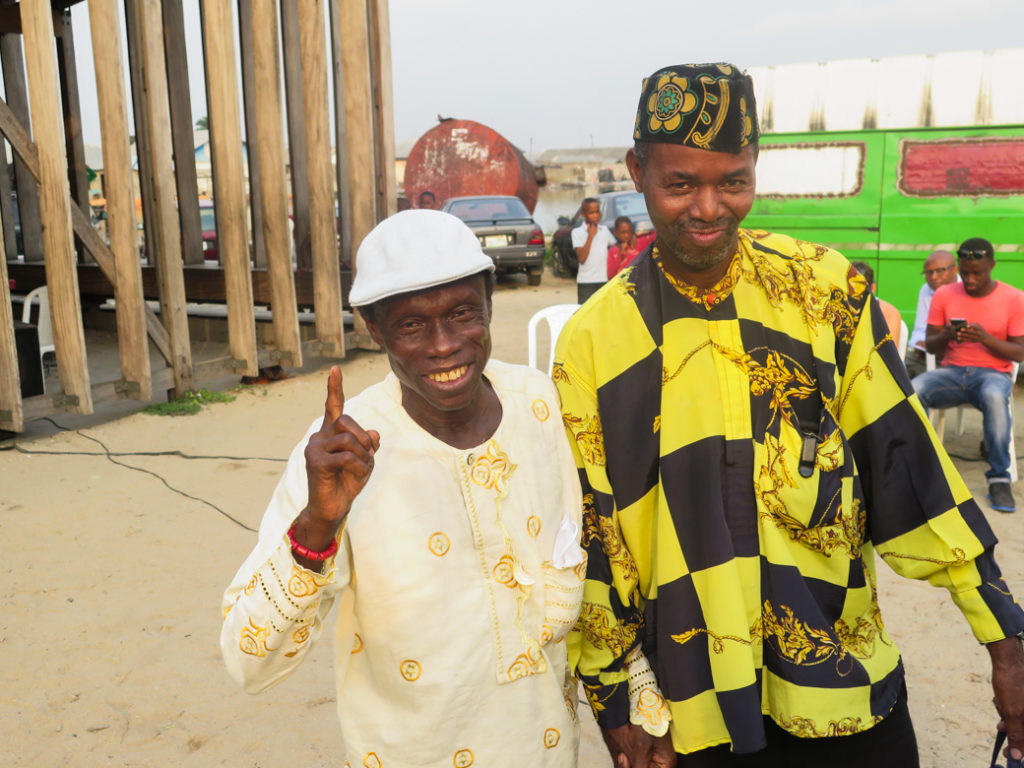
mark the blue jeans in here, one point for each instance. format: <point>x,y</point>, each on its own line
<point>985,389</point>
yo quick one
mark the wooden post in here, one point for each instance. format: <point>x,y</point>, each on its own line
<point>11,416</point>
<point>267,140</point>
<point>7,208</point>
<point>355,59</point>
<point>121,227</point>
<point>322,228</point>
<point>163,230</point>
<point>229,182</point>
<point>341,142</point>
<point>383,107</point>
<point>255,185</point>
<point>143,153</point>
<point>17,99</point>
<point>68,71</point>
<point>180,101</point>
<point>296,128</point>
<point>55,205</point>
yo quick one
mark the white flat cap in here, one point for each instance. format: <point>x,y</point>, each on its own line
<point>413,250</point>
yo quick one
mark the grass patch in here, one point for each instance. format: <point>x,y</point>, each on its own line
<point>188,405</point>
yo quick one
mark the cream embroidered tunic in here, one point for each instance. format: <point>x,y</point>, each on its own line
<point>459,573</point>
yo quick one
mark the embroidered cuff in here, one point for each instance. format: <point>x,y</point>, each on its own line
<point>647,707</point>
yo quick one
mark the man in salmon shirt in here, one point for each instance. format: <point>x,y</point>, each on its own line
<point>977,328</point>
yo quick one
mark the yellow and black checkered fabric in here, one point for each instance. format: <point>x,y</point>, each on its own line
<point>744,453</point>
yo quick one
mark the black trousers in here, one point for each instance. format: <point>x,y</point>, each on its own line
<point>890,743</point>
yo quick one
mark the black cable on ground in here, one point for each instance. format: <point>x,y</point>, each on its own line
<point>110,455</point>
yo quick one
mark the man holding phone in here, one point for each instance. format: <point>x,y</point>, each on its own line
<point>977,328</point>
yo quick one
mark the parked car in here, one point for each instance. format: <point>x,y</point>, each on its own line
<point>613,205</point>
<point>507,232</point>
<point>208,224</point>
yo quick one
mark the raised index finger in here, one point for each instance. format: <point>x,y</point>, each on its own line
<point>335,404</point>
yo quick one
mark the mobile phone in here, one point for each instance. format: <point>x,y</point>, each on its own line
<point>957,323</point>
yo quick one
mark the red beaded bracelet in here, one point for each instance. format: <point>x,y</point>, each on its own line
<point>309,553</point>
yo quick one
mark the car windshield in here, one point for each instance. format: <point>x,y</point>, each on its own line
<point>631,205</point>
<point>488,209</point>
<point>207,219</point>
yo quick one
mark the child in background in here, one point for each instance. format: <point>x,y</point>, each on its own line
<point>628,247</point>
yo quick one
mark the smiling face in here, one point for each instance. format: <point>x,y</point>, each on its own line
<point>438,341</point>
<point>696,200</point>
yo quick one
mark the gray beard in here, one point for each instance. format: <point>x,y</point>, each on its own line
<point>701,260</point>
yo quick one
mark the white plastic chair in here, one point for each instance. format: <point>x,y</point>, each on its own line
<point>44,325</point>
<point>938,416</point>
<point>904,338</point>
<point>556,315</point>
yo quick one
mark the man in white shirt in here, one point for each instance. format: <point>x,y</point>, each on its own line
<point>939,269</point>
<point>591,240</point>
<point>441,510</point>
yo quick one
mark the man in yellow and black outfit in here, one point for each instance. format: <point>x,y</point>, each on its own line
<point>748,440</point>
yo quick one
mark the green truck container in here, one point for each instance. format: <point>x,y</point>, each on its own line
<point>891,197</point>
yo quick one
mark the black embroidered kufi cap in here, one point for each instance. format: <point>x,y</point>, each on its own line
<point>708,106</point>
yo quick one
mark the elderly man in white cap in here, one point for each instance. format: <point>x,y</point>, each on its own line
<point>440,509</point>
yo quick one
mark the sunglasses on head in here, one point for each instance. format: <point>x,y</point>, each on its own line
<point>972,255</point>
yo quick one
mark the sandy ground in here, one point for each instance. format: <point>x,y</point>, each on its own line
<point>110,585</point>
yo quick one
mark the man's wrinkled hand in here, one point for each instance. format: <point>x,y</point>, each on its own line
<point>1008,684</point>
<point>633,747</point>
<point>339,460</point>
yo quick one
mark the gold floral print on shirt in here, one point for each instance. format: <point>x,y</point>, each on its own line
<point>601,630</point>
<point>799,643</point>
<point>806,728</point>
<point>705,297</point>
<point>606,530</point>
<point>717,641</point>
<point>492,470</point>
<point>586,431</point>
<point>254,639</point>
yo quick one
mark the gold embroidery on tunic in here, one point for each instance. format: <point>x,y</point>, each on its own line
<point>492,470</point>
<point>357,643</point>
<point>551,738</point>
<point>303,583</point>
<point>439,544</point>
<point>463,758</point>
<point>540,410</point>
<point>410,669</point>
<point>254,639</point>
<point>533,526</point>
<point>372,761</point>
<point>651,707</point>
<point>525,664</point>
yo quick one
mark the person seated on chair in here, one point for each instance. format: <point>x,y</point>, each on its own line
<point>977,327</point>
<point>939,269</point>
<point>892,315</point>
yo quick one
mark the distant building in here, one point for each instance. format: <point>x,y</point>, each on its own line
<point>600,167</point>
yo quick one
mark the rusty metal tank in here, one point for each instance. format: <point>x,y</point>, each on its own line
<point>461,157</point>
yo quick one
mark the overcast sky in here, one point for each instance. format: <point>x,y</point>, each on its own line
<point>561,73</point>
